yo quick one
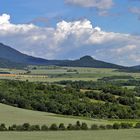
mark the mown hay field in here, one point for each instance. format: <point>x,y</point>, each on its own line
<point>73,135</point>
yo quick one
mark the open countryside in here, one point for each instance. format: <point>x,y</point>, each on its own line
<point>70,70</point>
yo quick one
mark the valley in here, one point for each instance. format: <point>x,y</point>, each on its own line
<point>70,70</point>
<point>85,90</point>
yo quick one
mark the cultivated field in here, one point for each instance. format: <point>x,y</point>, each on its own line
<point>52,74</point>
<point>73,135</point>
<point>12,115</point>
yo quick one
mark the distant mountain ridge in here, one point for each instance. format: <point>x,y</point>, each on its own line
<point>13,55</point>
<point>10,57</point>
<point>88,61</point>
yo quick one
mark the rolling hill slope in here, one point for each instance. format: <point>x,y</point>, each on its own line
<point>12,115</point>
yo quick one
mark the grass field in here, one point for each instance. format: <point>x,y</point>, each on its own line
<point>81,72</point>
<point>12,115</point>
<point>73,135</point>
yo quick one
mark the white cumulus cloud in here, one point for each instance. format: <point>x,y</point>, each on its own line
<point>70,40</point>
<point>4,19</point>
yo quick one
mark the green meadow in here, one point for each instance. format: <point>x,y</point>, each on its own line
<point>12,115</point>
<point>73,135</point>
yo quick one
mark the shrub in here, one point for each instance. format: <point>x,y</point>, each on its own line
<point>94,127</point>
<point>137,125</point>
<point>77,125</point>
<point>53,127</point>
<point>19,128</point>
<point>116,126</point>
<point>84,126</point>
<point>3,127</point>
<point>13,127</point>
<point>26,127</point>
<point>44,128</point>
<point>109,126</point>
<point>102,127</point>
<point>61,126</point>
<point>35,128</point>
<point>126,125</point>
<point>70,127</point>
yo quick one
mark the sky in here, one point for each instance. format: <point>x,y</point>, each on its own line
<point>107,30</point>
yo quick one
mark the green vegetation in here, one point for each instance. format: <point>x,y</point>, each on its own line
<point>96,97</point>
<point>68,100</point>
<point>61,127</point>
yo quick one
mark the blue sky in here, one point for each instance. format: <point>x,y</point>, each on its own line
<point>105,27</point>
<point>120,20</point>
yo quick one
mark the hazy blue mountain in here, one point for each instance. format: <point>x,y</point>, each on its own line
<point>4,63</point>
<point>9,55</point>
<point>88,61</point>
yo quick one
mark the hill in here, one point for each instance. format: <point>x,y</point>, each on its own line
<point>9,55</point>
<point>88,61</point>
<point>12,115</point>
<point>136,68</point>
<point>4,63</point>
<point>13,55</point>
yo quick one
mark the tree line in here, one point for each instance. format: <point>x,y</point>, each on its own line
<point>61,127</point>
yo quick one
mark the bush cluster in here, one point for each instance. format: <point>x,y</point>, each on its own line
<point>62,127</point>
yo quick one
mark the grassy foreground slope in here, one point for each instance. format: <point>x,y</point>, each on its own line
<point>73,135</point>
<point>12,115</point>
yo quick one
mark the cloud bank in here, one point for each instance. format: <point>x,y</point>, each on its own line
<point>70,40</point>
